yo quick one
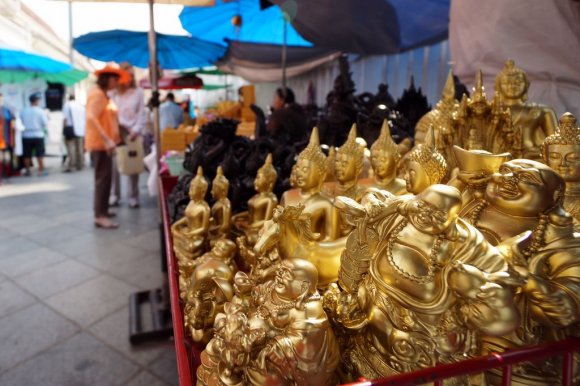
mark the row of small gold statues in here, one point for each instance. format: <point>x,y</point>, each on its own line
<point>380,275</point>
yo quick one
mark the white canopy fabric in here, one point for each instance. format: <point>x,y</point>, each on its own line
<point>542,37</point>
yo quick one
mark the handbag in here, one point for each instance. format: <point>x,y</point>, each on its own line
<point>130,157</point>
<point>68,131</point>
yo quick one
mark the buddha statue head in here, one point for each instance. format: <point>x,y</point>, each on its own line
<point>266,176</point>
<point>310,170</point>
<point>198,186</point>
<point>433,210</point>
<point>220,185</point>
<point>561,151</point>
<point>512,82</point>
<point>448,93</point>
<point>224,249</point>
<point>296,279</point>
<point>349,160</point>
<point>385,154</point>
<point>478,102</point>
<point>425,166</point>
<point>524,188</point>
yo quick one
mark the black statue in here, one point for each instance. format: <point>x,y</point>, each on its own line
<point>413,104</point>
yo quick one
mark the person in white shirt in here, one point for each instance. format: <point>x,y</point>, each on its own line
<point>74,132</point>
<point>170,114</point>
<point>130,101</point>
<point>35,123</point>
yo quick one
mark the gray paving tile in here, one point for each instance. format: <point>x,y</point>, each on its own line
<point>92,300</point>
<point>109,257</point>
<point>81,360</point>
<point>16,245</point>
<point>165,367</point>
<point>141,271</point>
<point>114,330</point>
<point>149,241</point>
<point>145,378</point>
<point>56,234</point>
<point>12,298</point>
<point>26,332</point>
<point>6,233</point>
<point>30,261</point>
<point>56,278</point>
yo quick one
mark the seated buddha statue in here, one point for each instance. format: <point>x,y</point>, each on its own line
<point>441,116</point>
<point>547,259</point>
<point>261,206</point>
<point>348,165</point>
<point>424,166</point>
<point>482,125</point>
<point>308,176</point>
<point>385,158</point>
<point>430,287</point>
<point>190,232</point>
<point>221,211</point>
<point>515,199</point>
<point>533,121</point>
<point>282,338</point>
<point>208,288</point>
<point>561,151</point>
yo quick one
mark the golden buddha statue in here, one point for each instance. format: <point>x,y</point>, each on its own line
<point>422,285</point>
<point>282,337</point>
<point>533,122</point>
<point>208,288</point>
<point>330,168</point>
<point>482,125</point>
<point>514,200</point>
<point>221,211</point>
<point>348,165</point>
<point>261,206</point>
<point>547,259</point>
<point>561,151</point>
<point>441,116</point>
<point>385,159</point>
<point>190,232</point>
<point>424,166</point>
<point>309,174</point>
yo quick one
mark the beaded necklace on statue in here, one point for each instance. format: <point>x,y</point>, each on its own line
<point>538,235</point>
<point>432,256</point>
<point>265,310</point>
<point>476,212</point>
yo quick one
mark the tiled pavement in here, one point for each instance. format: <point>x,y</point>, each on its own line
<point>64,286</point>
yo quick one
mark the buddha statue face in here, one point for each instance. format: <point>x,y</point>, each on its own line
<point>565,159</point>
<point>416,178</point>
<point>513,86</point>
<point>197,190</point>
<point>294,278</point>
<point>383,163</point>
<point>266,177</point>
<point>261,183</point>
<point>524,188</point>
<point>345,168</point>
<point>306,175</point>
<point>219,191</point>
<point>224,249</point>
<point>435,209</point>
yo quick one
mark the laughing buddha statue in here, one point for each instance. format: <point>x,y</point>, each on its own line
<point>561,151</point>
<point>425,166</point>
<point>282,336</point>
<point>190,232</point>
<point>533,122</point>
<point>221,211</point>
<point>308,175</point>
<point>385,159</point>
<point>427,285</point>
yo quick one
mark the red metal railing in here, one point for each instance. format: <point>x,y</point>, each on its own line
<point>505,360</point>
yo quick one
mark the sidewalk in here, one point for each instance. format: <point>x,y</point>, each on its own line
<point>64,286</point>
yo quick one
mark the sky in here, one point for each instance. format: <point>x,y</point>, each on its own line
<point>101,16</point>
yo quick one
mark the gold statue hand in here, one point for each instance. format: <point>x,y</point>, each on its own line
<point>551,305</point>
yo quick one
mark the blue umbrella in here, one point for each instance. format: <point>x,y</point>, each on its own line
<point>257,26</point>
<point>16,60</point>
<point>173,52</point>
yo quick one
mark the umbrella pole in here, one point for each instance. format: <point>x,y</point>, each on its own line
<point>153,74</point>
<point>284,43</point>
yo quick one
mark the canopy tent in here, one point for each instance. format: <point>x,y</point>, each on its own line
<point>175,82</point>
<point>261,62</point>
<point>12,59</point>
<point>255,25</point>
<point>68,78</point>
<point>370,27</point>
<point>173,52</point>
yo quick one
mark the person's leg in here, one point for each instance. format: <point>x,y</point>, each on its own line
<point>70,151</point>
<point>39,151</point>
<point>27,147</point>
<point>134,191</point>
<point>115,194</point>
<point>103,173</point>
<point>79,153</point>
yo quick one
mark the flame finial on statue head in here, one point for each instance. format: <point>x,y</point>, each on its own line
<point>351,147</point>
<point>314,154</point>
<point>385,142</point>
<point>479,90</point>
<point>429,158</point>
<point>448,94</point>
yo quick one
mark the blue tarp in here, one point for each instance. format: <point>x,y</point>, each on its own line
<point>173,52</point>
<point>258,26</point>
<point>16,60</point>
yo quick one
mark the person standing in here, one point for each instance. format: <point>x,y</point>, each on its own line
<point>101,139</point>
<point>6,140</point>
<point>74,132</point>
<point>35,123</point>
<point>170,113</point>
<point>288,119</point>
<point>130,101</point>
